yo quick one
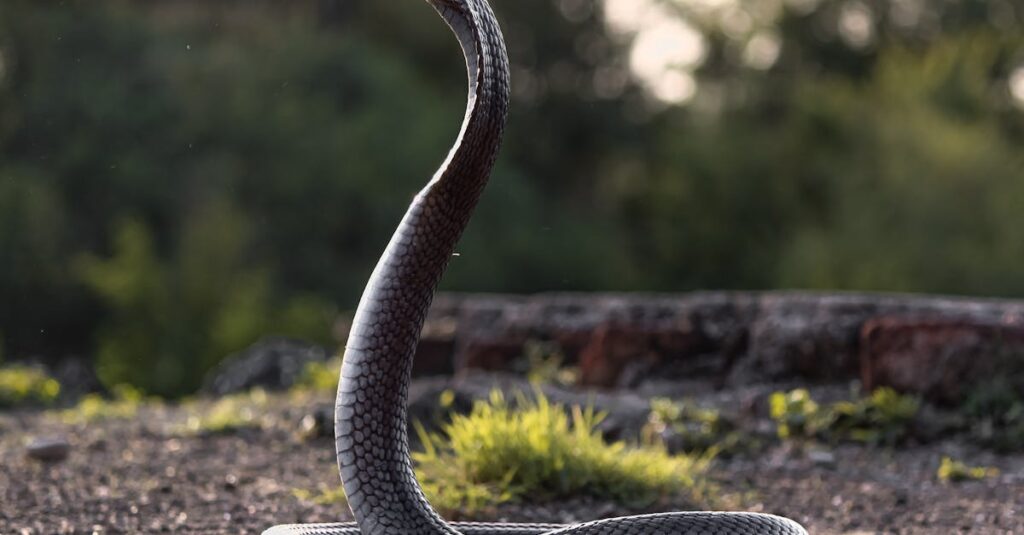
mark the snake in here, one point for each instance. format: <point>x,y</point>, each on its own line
<point>371,436</point>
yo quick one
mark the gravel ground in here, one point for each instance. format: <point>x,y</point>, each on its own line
<point>148,475</point>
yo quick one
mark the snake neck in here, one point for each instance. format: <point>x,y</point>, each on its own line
<point>370,417</point>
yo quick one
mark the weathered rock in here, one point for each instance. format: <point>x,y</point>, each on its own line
<point>817,336</point>
<point>822,458</point>
<point>808,335</point>
<point>617,355</point>
<point>490,331</point>
<point>622,339</point>
<point>942,359</point>
<point>77,377</point>
<point>607,334</point>
<point>272,363</point>
<point>437,341</point>
<point>53,449</point>
<point>434,356</point>
<point>610,351</point>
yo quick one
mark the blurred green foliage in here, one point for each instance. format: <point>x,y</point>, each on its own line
<point>954,471</point>
<point>229,414</point>
<point>123,403</point>
<point>688,427</point>
<point>179,178</point>
<point>995,412</point>
<point>22,385</point>
<point>796,414</point>
<point>171,323</point>
<point>883,417</point>
<point>320,376</point>
<point>545,364</point>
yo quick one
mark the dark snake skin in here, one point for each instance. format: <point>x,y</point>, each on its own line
<point>370,417</point>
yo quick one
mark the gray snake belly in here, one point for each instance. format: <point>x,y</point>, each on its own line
<point>370,416</point>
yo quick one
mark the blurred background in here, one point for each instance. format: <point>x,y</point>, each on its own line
<point>179,178</point>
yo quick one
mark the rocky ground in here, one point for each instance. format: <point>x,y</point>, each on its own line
<point>150,473</point>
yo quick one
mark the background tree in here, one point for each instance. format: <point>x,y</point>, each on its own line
<point>179,178</point>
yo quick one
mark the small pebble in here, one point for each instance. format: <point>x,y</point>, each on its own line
<point>317,424</point>
<point>822,458</point>
<point>48,449</point>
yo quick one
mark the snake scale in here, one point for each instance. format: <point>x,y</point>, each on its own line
<point>370,416</point>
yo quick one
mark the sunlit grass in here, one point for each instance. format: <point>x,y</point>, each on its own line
<point>795,413</point>
<point>538,451</point>
<point>23,385</point>
<point>686,426</point>
<point>953,471</point>
<point>230,414</point>
<point>320,376</point>
<point>883,417</point>
<point>545,364</point>
<point>124,404</point>
<point>323,497</point>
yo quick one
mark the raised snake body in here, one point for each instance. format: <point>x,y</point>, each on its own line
<point>370,416</point>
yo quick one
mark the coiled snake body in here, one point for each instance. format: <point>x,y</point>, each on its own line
<point>370,416</point>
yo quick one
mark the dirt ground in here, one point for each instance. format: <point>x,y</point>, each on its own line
<point>147,475</point>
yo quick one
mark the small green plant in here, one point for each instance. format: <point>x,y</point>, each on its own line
<point>545,363</point>
<point>230,414</point>
<point>123,404</point>
<point>24,385</point>
<point>320,376</point>
<point>796,414</point>
<point>446,399</point>
<point>497,454</point>
<point>882,417</point>
<point>996,415</point>
<point>685,426</point>
<point>951,470</point>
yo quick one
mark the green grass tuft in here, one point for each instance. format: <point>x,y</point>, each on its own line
<point>545,364</point>
<point>497,454</point>
<point>230,414</point>
<point>996,414</point>
<point>322,497</point>
<point>954,471</point>
<point>795,414</point>
<point>123,405</point>
<point>320,376</point>
<point>883,417</point>
<point>686,426</point>
<point>23,385</point>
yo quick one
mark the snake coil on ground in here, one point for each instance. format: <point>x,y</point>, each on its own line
<point>370,416</point>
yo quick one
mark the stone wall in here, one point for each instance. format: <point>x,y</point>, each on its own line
<point>931,345</point>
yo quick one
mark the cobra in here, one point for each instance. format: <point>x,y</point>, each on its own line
<point>370,415</point>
